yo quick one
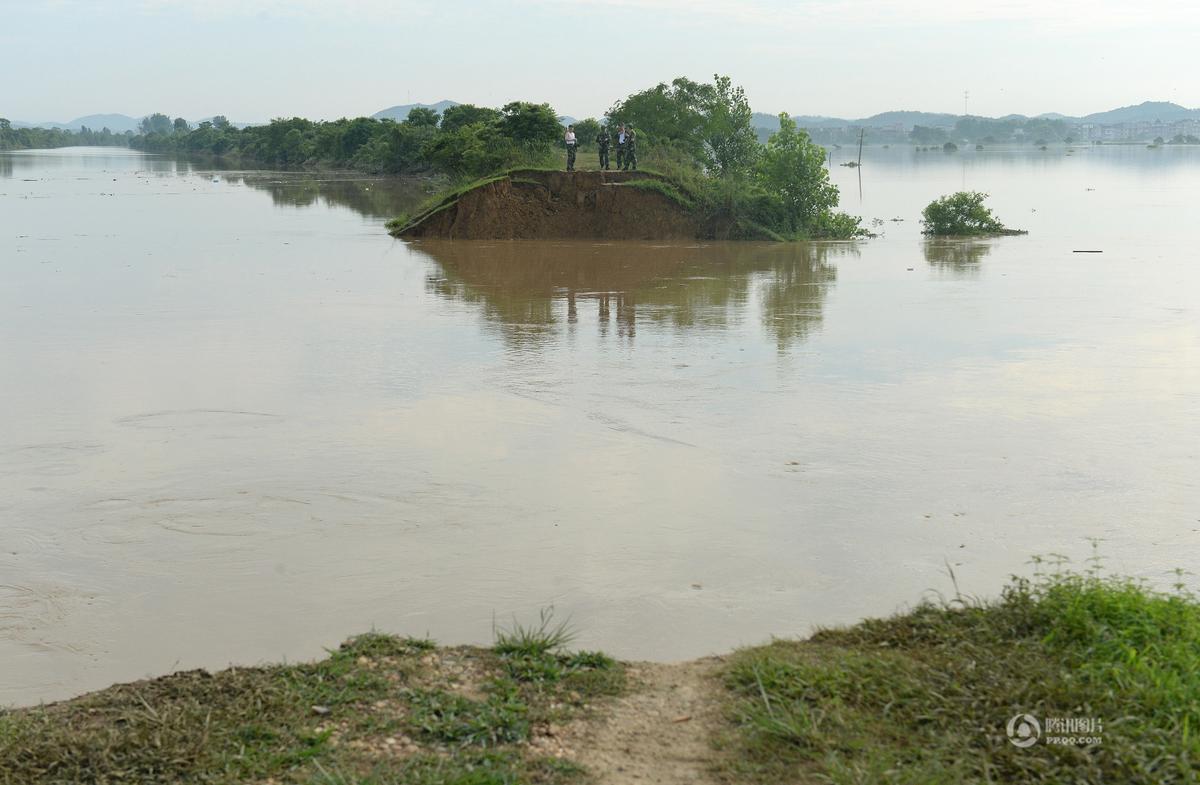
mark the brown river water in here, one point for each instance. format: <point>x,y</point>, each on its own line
<point>238,422</point>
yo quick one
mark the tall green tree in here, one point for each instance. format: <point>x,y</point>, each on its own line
<point>586,132</point>
<point>533,127</point>
<point>668,114</point>
<point>792,168</point>
<point>710,123</point>
<point>157,123</point>
<point>456,117</point>
<point>729,135</point>
<point>422,117</point>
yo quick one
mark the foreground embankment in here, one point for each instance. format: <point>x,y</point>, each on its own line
<point>533,204</point>
<point>1065,678</point>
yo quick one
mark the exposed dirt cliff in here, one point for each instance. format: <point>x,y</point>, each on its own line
<point>537,204</point>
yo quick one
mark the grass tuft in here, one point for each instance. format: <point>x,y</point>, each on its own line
<point>535,640</point>
<point>451,718</point>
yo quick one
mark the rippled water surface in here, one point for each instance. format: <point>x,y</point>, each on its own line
<point>238,422</point>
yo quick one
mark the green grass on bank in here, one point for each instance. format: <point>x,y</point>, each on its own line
<point>380,710</point>
<point>925,697</point>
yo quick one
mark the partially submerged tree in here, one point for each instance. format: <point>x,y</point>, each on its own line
<point>962,214</point>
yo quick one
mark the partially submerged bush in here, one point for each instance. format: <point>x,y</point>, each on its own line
<point>962,214</point>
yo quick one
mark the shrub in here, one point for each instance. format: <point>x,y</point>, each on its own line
<point>961,214</point>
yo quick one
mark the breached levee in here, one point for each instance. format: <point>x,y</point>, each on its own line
<point>531,204</point>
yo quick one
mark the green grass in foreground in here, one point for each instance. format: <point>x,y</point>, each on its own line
<point>381,710</point>
<point>924,697</point>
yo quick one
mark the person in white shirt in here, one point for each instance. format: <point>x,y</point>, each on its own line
<point>622,138</point>
<point>569,140</point>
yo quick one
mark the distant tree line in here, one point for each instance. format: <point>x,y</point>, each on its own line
<point>46,138</point>
<point>985,130</point>
<point>465,141</point>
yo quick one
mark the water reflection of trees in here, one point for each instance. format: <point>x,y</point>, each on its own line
<point>960,258</point>
<point>374,197</point>
<point>530,289</point>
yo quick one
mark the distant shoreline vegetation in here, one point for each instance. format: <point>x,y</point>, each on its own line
<point>49,138</point>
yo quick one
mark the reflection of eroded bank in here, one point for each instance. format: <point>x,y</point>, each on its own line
<point>530,289</point>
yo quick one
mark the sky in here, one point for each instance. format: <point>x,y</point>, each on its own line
<point>252,60</point>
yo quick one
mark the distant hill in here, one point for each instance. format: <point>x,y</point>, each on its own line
<point>117,123</point>
<point>1147,111</point>
<point>399,113</point>
<point>909,118</point>
<point>770,122</point>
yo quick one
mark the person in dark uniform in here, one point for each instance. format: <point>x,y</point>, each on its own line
<point>630,148</point>
<point>602,142</point>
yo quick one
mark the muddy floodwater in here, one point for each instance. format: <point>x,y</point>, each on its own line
<point>238,422</point>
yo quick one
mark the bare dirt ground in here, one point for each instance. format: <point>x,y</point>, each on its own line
<point>659,732</point>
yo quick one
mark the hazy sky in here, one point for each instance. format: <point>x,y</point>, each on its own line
<point>256,59</point>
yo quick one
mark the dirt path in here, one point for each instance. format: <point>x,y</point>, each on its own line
<point>659,732</point>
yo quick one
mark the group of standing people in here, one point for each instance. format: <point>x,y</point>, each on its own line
<point>626,142</point>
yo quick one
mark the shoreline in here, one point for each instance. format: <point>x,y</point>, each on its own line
<point>931,694</point>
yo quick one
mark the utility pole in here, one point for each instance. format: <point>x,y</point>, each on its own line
<point>965,94</point>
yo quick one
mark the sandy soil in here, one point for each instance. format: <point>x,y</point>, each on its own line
<point>659,732</point>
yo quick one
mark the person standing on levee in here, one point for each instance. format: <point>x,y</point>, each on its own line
<point>569,140</point>
<point>630,149</point>
<point>602,142</point>
<point>621,139</point>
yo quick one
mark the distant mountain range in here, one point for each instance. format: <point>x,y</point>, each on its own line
<point>117,123</point>
<point>1148,111</point>
<point>399,113</point>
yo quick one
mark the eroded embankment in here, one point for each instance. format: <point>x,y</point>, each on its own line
<point>536,204</point>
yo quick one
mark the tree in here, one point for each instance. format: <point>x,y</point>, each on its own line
<point>473,150</point>
<point>157,123</point>
<point>357,133</point>
<point>586,132</point>
<point>710,123</point>
<point>181,126</point>
<point>422,117</point>
<point>533,127</point>
<point>455,117</point>
<point>961,214</point>
<point>792,167</point>
<point>672,115</point>
<point>220,122</point>
<point>729,132</point>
